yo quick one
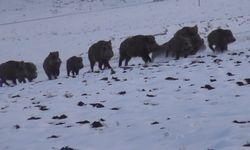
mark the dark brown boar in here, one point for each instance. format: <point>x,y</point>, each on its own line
<point>137,46</point>
<point>220,38</point>
<point>100,52</point>
<point>161,51</point>
<point>51,65</point>
<point>74,64</point>
<point>31,71</point>
<point>191,33</point>
<point>178,47</point>
<point>187,31</point>
<point>12,70</point>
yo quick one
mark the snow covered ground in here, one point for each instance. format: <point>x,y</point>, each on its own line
<point>170,104</point>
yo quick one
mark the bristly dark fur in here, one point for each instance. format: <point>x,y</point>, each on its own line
<point>74,64</point>
<point>51,65</point>
<point>220,38</point>
<point>100,52</point>
<point>137,46</point>
<point>12,70</point>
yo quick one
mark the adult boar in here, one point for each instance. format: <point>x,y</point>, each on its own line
<point>220,38</point>
<point>191,33</point>
<point>178,47</point>
<point>31,71</point>
<point>100,52</point>
<point>74,64</point>
<point>12,70</point>
<point>51,65</point>
<point>137,46</point>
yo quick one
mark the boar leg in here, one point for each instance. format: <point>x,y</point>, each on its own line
<point>120,61</point>
<point>149,59</point>
<point>224,47</point>
<point>127,60</point>
<point>22,80</point>
<point>219,48</point>
<point>92,64</point>
<point>146,58</point>
<point>107,65</point>
<point>177,55</point>
<point>166,53</point>
<point>49,76</point>
<point>68,72</point>
<point>14,81</point>
<point>57,72</point>
<point>5,82</point>
<point>100,64</point>
<point>55,75</point>
<point>77,72</point>
<point>211,47</point>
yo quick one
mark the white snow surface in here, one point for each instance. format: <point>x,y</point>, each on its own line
<point>154,113</point>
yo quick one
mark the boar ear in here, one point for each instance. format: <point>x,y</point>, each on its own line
<point>21,63</point>
<point>229,33</point>
<point>51,54</point>
<point>150,38</point>
<point>196,28</point>
<point>109,42</point>
<point>56,53</point>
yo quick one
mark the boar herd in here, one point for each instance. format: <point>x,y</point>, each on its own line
<point>185,42</point>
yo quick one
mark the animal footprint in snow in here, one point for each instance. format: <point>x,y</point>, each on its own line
<point>53,137</point>
<point>154,123</point>
<point>49,95</point>
<point>104,78</point>
<point>17,126</point>
<point>212,80</point>
<point>241,122</point>
<point>34,118</point>
<point>67,148</point>
<point>83,122</point>
<point>15,96</point>
<point>247,145</point>
<point>63,116</point>
<point>150,95</point>
<point>68,95</point>
<point>115,108</point>
<point>240,83</point>
<point>42,108</point>
<point>96,124</point>
<point>115,79</point>
<point>81,103</point>
<point>207,86</point>
<point>122,93</point>
<point>97,105</point>
<point>230,74</point>
<point>217,61</point>
<point>171,78</point>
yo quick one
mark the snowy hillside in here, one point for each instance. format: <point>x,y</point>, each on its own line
<point>195,103</point>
